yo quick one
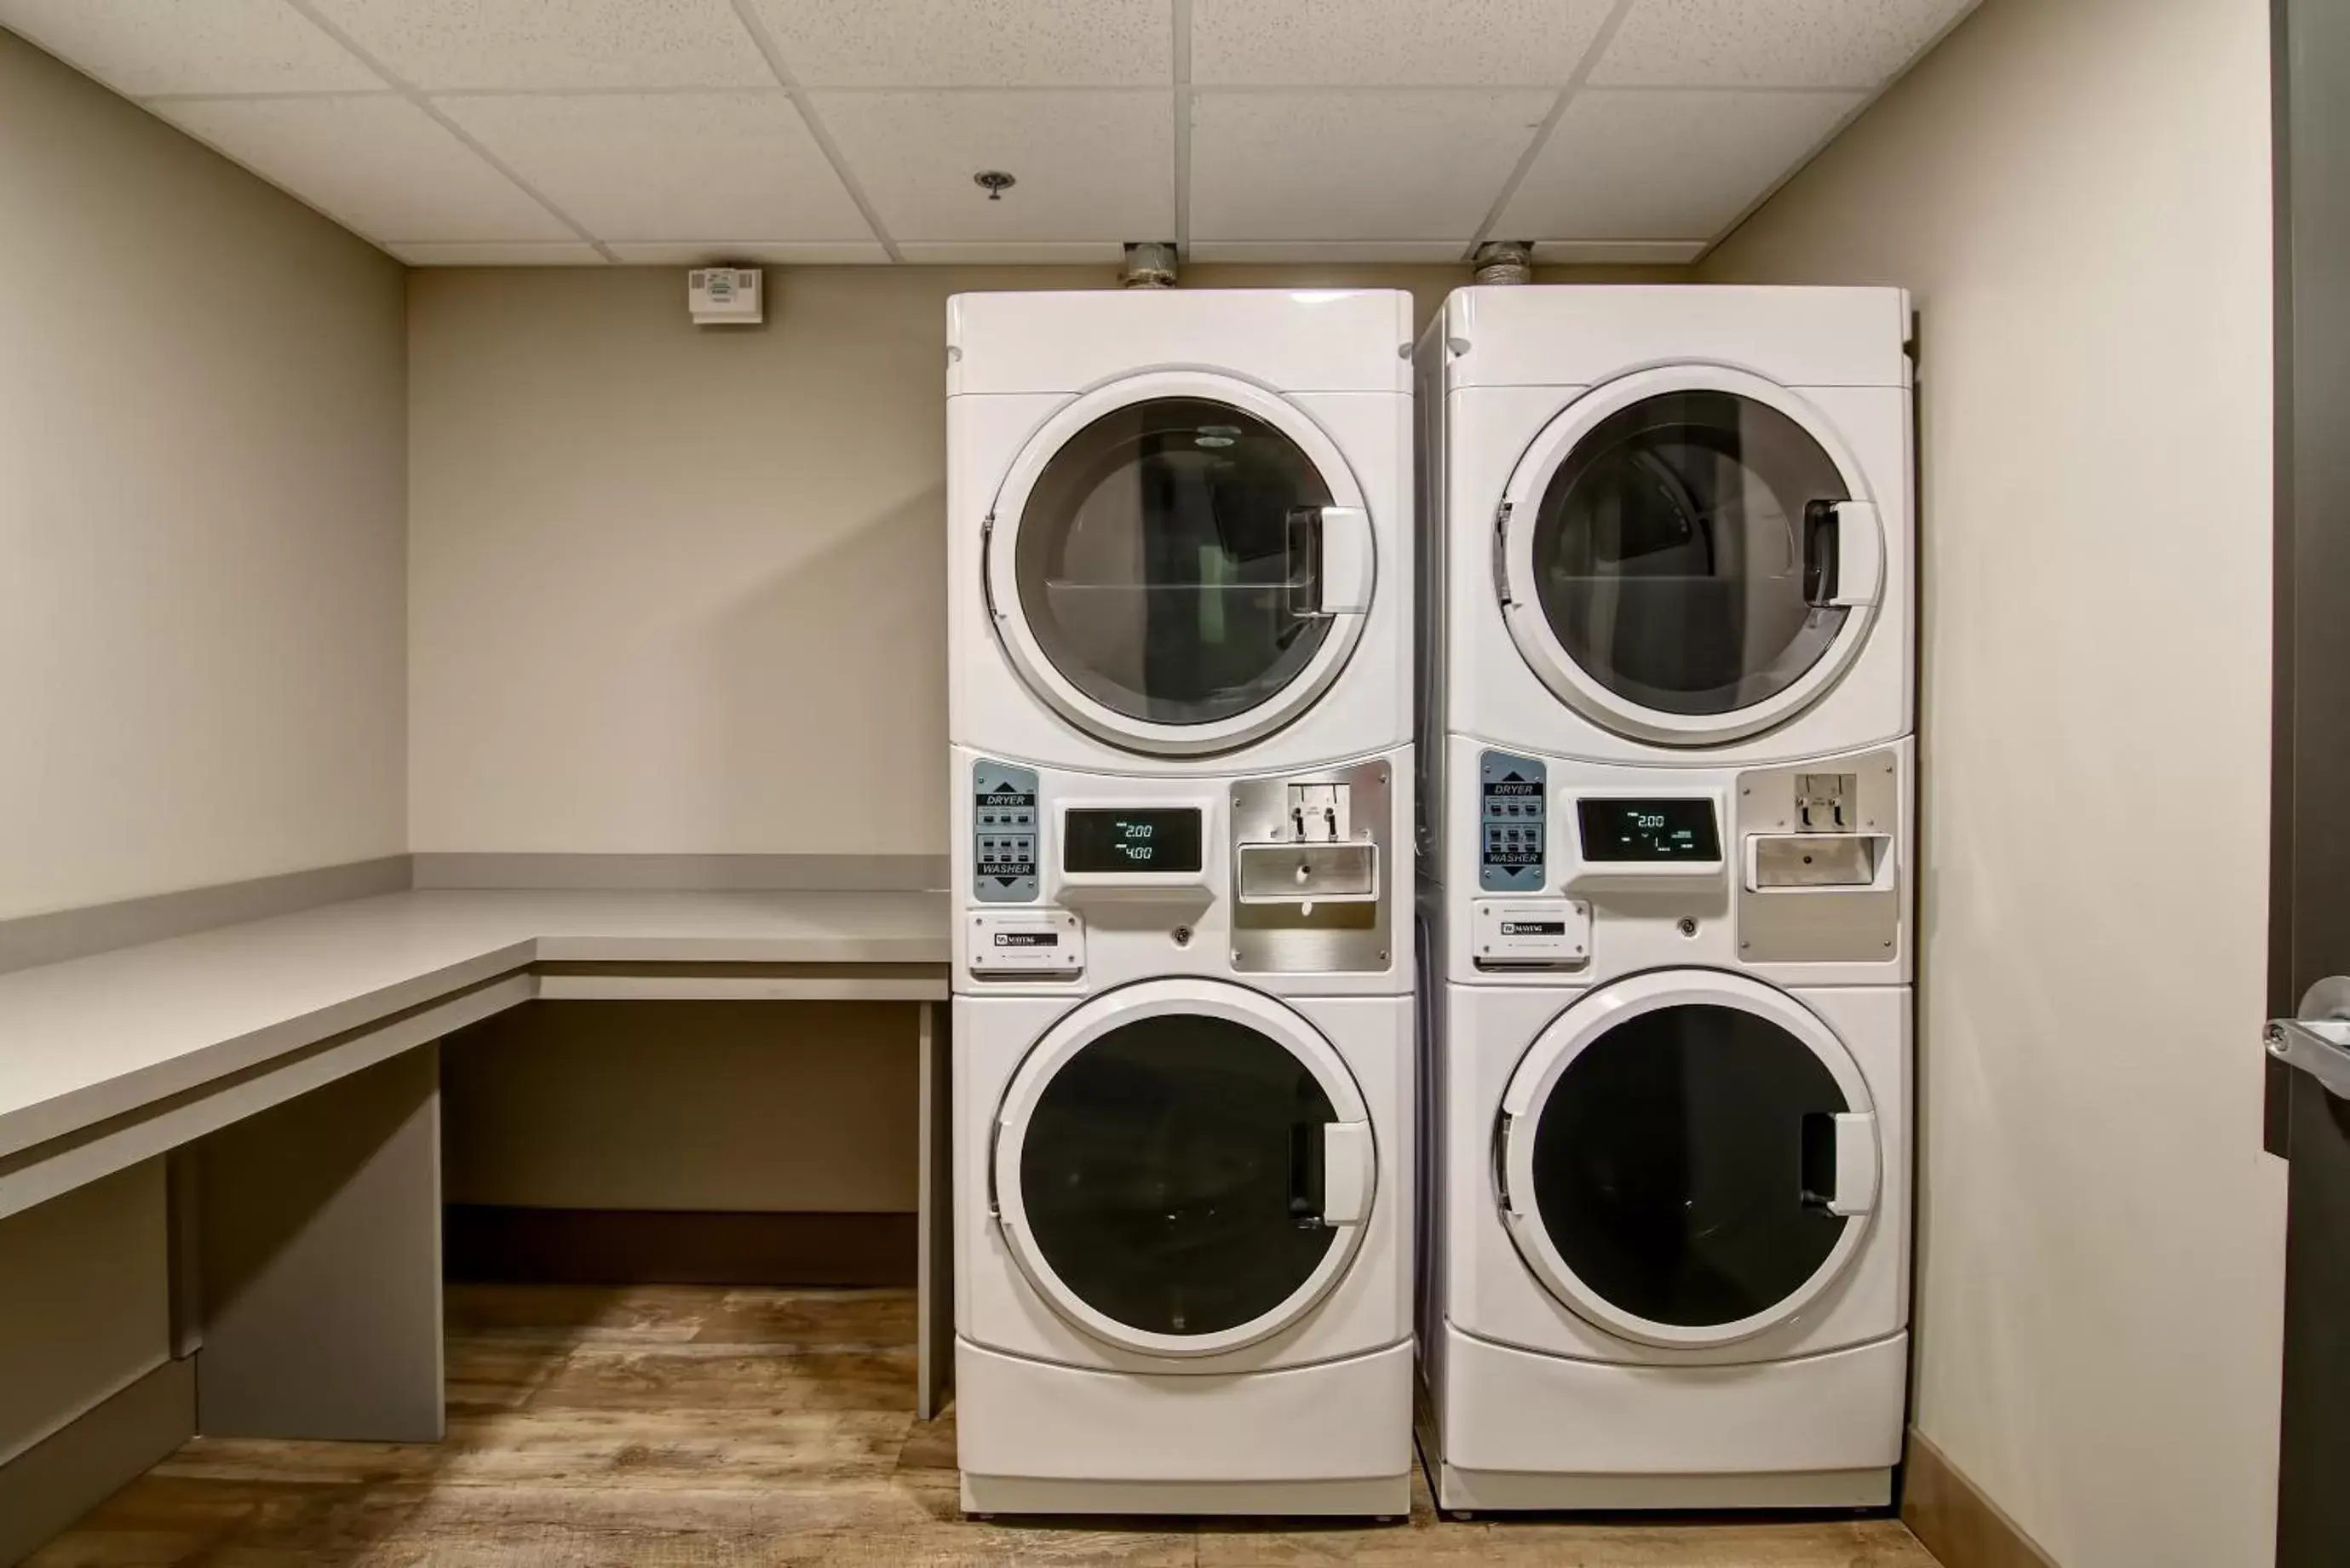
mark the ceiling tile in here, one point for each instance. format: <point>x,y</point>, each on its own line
<point>514,44</point>
<point>669,166</point>
<point>551,252</point>
<point>1016,253</point>
<point>1380,252</point>
<point>1091,165</point>
<point>718,253</point>
<point>1355,165</point>
<point>1790,44</point>
<point>376,164</point>
<point>1388,43</point>
<point>975,43</point>
<point>1654,165</point>
<point>218,47</point>
<point>1617,253</point>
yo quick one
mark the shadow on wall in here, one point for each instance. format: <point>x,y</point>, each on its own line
<point>787,672</point>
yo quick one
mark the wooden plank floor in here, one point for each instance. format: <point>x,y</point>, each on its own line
<point>678,1427</point>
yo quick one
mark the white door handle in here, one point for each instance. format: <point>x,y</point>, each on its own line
<point>1860,554</point>
<point>1347,1172</point>
<point>1347,562</point>
<point>1856,1164</point>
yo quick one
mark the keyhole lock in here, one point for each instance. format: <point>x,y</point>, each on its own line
<point>1687,926</point>
<point>1182,935</point>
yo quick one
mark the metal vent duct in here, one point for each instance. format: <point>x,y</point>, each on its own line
<point>1505,261</point>
<point>1149,264</point>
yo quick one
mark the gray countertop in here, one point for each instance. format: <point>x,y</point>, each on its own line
<point>101,1036</point>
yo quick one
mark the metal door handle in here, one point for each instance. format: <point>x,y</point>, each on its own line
<point>2318,1041</point>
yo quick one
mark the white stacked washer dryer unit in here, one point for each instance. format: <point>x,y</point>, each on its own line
<point>1666,830</point>
<point>1179,587</point>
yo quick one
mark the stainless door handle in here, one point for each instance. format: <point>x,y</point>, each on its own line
<point>2318,1041</point>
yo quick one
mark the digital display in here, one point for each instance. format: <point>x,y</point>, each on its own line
<point>1162,838</point>
<point>1647,830</point>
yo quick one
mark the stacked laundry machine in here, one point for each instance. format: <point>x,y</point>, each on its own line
<point>1181,708</point>
<point>1666,826</point>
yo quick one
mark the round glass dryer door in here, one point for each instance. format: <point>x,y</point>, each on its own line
<point>1183,1167</point>
<point>1689,1159</point>
<point>1179,563</point>
<point>1687,556</point>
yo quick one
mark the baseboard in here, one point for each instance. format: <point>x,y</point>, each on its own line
<point>29,940</point>
<point>81,1464</point>
<point>63,934</point>
<point>1953,1519</point>
<point>690,873</point>
<point>511,1245</point>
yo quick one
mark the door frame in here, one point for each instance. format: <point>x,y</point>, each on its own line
<point>2309,883</point>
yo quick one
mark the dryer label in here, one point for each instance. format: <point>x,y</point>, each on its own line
<point>1513,817</point>
<point>1004,833</point>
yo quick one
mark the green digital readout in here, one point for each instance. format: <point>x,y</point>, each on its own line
<point>1150,839</point>
<point>1621,830</point>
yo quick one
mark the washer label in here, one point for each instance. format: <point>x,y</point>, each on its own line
<point>1004,833</point>
<point>1515,813</point>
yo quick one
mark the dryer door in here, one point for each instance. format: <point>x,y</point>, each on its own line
<point>1179,561</point>
<point>1687,556</point>
<point>1184,1166</point>
<point>1687,1157</point>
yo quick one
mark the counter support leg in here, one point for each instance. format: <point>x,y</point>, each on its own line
<point>319,1232</point>
<point>934,1268</point>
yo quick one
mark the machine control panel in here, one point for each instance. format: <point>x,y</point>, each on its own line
<point>1004,833</point>
<point>1513,789</point>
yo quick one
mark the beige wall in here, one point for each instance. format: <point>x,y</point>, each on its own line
<point>710,1105</point>
<point>202,653</point>
<point>2078,194</point>
<point>683,591</point>
<point>202,660</point>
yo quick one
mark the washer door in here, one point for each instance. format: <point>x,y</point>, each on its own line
<point>1184,1166</point>
<point>1687,1157</point>
<point>1687,556</point>
<point>1179,561</point>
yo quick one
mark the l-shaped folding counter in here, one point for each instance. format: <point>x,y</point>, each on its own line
<point>287,1071</point>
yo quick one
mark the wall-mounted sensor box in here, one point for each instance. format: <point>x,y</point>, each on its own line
<point>725,296</point>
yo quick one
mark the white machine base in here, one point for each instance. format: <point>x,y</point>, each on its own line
<point>1037,1438</point>
<point>1466,1491</point>
<point>1387,1498</point>
<point>1508,1428</point>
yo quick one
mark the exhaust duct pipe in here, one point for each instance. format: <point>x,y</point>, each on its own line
<point>1504,262</point>
<point>1149,264</point>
